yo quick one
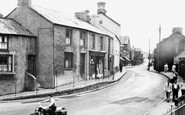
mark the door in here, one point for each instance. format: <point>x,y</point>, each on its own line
<point>82,65</point>
<point>31,65</point>
<point>29,80</point>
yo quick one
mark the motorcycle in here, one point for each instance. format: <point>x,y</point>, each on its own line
<point>40,110</point>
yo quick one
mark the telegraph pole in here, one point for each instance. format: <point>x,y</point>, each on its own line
<point>149,56</point>
<point>159,33</point>
<point>159,47</point>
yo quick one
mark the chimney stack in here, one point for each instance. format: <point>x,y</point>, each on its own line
<point>101,8</point>
<point>24,3</point>
<point>1,15</point>
<point>177,29</point>
<point>84,16</point>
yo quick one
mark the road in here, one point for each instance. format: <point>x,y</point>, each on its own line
<point>135,94</point>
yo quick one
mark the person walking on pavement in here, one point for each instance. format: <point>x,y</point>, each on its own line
<point>168,89</point>
<point>174,79</point>
<point>165,67</point>
<point>180,88</point>
<point>175,89</point>
<point>120,67</point>
<point>174,68</point>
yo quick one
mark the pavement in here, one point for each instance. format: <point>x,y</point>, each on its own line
<point>69,89</point>
<point>164,107</point>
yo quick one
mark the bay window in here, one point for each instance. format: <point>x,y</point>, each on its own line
<point>68,60</point>
<point>6,63</point>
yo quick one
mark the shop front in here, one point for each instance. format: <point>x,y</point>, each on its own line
<point>97,64</point>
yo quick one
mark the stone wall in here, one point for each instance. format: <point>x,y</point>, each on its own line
<point>21,47</point>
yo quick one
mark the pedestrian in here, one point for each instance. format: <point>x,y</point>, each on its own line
<point>174,77</point>
<point>174,68</point>
<point>120,67</point>
<point>180,89</point>
<point>175,89</point>
<point>149,64</point>
<point>168,89</point>
<point>165,67</point>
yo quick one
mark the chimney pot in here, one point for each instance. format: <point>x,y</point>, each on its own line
<point>24,3</point>
<point>1,15</point>
<point>84,16</point>
<point>177,29</point>
<point>101,8</point>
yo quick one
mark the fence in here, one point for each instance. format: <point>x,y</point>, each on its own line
<point>31,83</point>
<point>179,107</point>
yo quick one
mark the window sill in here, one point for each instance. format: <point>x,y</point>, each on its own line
<point>6,73</point>
<point>68,68</point>
<point>4,50</point>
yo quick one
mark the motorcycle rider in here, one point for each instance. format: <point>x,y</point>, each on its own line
<point>51,107</point>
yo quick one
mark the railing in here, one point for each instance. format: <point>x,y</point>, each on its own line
<point>32,84</point>
<point>179,107</point>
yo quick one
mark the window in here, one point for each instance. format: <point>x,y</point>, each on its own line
<point>3,42</point>
<point>6,63</point>
<point>101,42</point>
<point>109,46</point>
<point>82,38</point>
<point>68,60</point>
<point>93,42</point>
<point>68,36</point>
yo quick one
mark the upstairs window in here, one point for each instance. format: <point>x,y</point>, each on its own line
<point>68,60</point>
<point>109,45</point>
<point>101,42</point>
<point>3,43</point>
<point>93,41</point>
<point>6,63</point>
<point>82,38</point>
<point>68,36</point>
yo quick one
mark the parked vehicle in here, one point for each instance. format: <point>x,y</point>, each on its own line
<point>40,110</point>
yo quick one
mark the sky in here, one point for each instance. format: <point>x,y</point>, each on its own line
<point>139,19</point>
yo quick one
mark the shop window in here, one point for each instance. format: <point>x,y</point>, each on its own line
<point>3,43</point>
<point>68,60</point>
<point>69,36</point>
<point>6,63</point>
<point>82,38</point>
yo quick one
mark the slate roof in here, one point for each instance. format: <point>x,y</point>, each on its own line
<point>57,17</point>
<point>10,26</point>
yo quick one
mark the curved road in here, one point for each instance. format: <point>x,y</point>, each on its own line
<point>135,94</point>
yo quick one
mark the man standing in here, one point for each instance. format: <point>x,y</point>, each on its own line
<point>168,90</point>
<point>174,68</point>
<point>165,67</point>
<point>175,89</point>
<point>120,67</point>
<point>51,107</point>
